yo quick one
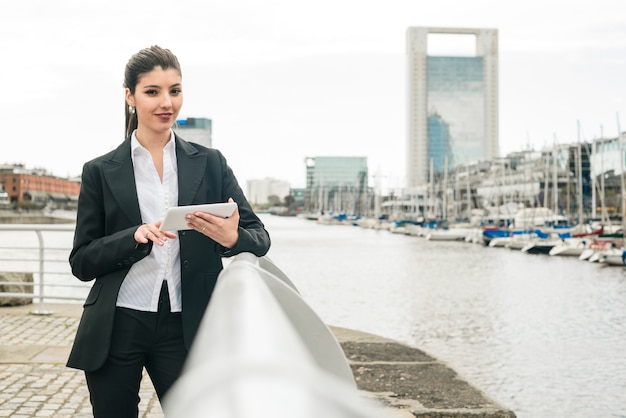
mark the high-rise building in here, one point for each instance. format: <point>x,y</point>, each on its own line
<point>337,184</point>
<point>198,130</point>
<point>452,103</point>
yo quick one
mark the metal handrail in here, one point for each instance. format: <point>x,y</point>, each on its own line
<point>262,351</point>
<point>43,273</point>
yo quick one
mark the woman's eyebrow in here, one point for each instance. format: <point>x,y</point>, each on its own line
<point>156,86</point>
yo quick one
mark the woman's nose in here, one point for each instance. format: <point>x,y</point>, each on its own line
<point>166,100</point>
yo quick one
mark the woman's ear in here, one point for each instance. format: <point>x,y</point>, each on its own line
<point>130,98</point>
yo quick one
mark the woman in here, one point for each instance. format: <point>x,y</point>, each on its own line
<point>151,286</point>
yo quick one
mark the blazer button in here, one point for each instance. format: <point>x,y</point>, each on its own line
<point>186,264</point>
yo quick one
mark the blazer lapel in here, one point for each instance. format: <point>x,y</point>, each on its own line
<point>191,168</point>
<point>120,177</point>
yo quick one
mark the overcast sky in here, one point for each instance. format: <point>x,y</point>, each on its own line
<point>287,79</point>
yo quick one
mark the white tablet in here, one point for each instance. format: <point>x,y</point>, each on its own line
<point>175,216</point>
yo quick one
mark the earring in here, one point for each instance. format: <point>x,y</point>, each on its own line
<point>131,109</point>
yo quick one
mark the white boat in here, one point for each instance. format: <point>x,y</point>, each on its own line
<point>541,245</point>
<point>499,242</point>
<point>612,253</point>
<point>474,236</point>
<point>594,251</point>
<point>595,257</point>
<point>537,218</point>
<point>445,235</point>
<point>586,253</point>
<point>517,242</point>
<point>570,247</point>
<point>615,257</point>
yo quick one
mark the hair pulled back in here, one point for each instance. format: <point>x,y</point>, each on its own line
<point>143,62</point>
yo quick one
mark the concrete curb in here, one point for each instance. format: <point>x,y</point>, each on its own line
<point>408,379</point>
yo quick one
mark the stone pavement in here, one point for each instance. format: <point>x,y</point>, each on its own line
<point>34,381</point>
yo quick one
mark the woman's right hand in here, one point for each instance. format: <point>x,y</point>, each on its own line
<point>151,232</point>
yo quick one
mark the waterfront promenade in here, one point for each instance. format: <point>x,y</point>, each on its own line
<point>34,381</point>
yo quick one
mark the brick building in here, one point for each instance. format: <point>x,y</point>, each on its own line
<point>36,188</point>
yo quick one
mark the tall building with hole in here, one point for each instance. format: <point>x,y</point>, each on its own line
<point>452,103</point>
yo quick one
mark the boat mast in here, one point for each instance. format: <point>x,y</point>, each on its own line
<point>605,216</point>
<point>431,191</point>
<point>444,209</point>
<point>546,176</point>
<point>594,181</point>
<point>555,180</point>
<point>469,197</point>
<point>579,178</point>
<point>621,174</point>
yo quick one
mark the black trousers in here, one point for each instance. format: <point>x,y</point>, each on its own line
<point>153,340</point>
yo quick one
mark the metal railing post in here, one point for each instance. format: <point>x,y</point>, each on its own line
<point>41,310</point>
<point>38,260</point>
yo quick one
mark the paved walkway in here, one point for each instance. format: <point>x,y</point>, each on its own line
<point>34,381</point>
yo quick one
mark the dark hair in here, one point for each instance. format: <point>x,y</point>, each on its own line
<point>143,62</point>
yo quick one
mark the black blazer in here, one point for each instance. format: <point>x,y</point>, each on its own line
<point>104,248</point>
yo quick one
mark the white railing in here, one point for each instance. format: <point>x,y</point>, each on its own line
<point>46,260</point>
<point>261,351</point>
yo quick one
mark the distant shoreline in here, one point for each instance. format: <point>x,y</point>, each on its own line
<point>36,217</point>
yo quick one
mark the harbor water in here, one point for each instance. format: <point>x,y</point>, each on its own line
<point>543,336</point>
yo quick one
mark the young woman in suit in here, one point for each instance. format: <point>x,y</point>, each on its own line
<point>151,286</point>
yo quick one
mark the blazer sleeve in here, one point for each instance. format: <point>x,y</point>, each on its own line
<point>98,248</point>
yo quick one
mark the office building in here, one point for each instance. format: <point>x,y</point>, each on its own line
<point>452,103</point>
<point>198,130</point>
<point>338,184</point>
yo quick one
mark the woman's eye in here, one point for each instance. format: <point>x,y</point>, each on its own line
<point>176,91</point>
<point>151,92</point>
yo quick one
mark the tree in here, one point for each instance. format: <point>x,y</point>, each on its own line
<point>273,200</point>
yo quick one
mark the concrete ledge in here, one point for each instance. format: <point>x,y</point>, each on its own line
<point>16,277</point>
<point>408,379</point>
<point>33,218</point>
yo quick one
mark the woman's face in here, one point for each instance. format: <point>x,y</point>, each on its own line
<point>158,98</point>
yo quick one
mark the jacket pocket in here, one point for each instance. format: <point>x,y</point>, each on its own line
<point>93,294</point>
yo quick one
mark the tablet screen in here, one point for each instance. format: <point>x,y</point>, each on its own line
<point>175,216</point>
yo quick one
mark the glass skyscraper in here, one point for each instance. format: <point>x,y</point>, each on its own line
<point>336,184</point>
<point>452,104</point>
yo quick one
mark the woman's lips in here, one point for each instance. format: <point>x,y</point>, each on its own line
<point>164,116</point>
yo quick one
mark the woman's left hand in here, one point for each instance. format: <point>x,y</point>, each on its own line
<point>224,231</point>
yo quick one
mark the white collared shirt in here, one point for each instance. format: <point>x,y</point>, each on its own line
<point>142,285</point>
